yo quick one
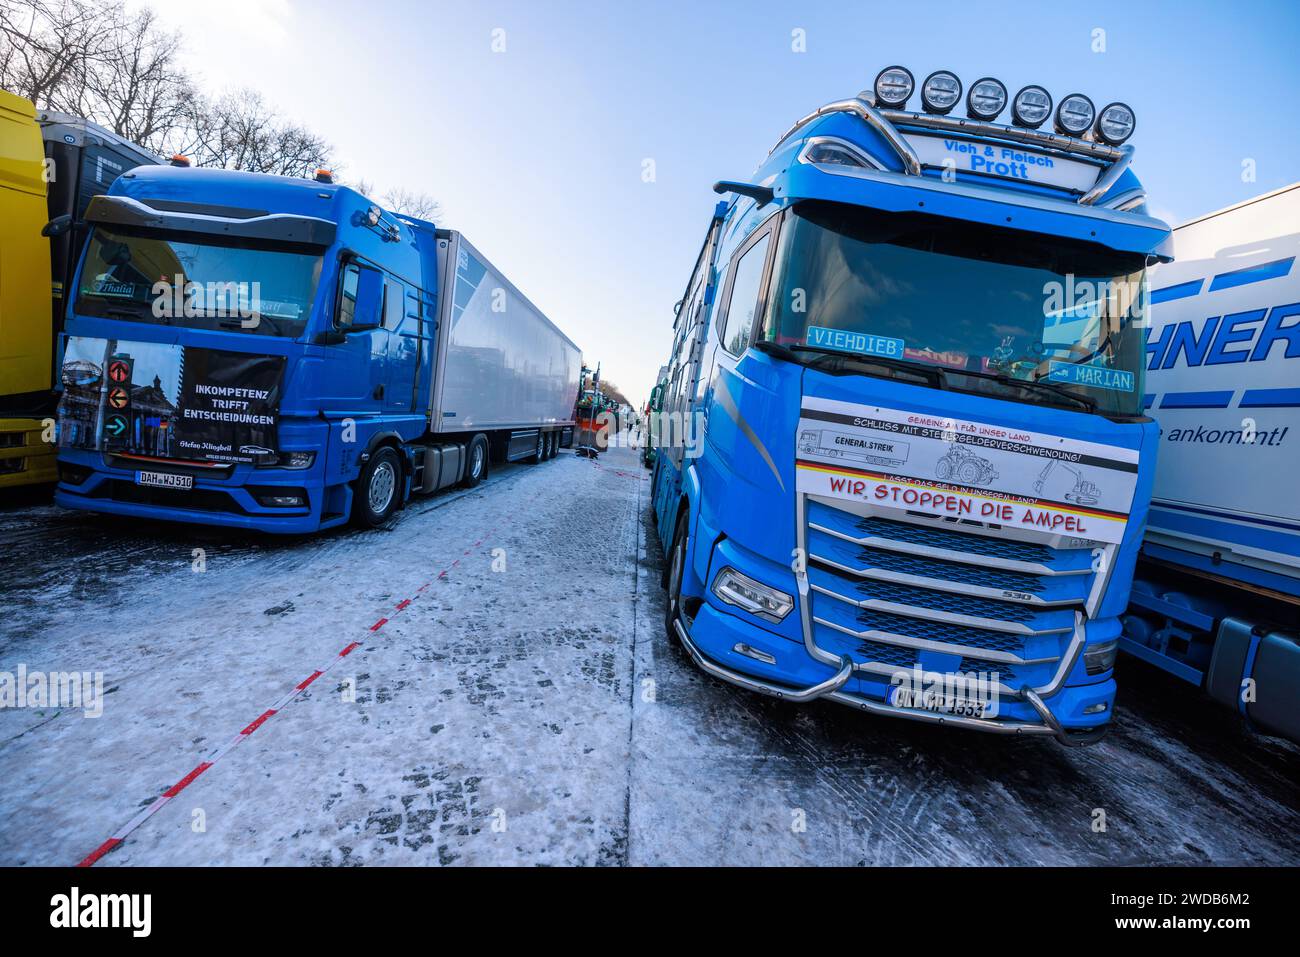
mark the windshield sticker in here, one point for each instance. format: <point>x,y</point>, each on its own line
<point>1090,374</point>
<point>862,342</point>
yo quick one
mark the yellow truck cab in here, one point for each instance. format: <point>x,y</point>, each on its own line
<point>26,456</point>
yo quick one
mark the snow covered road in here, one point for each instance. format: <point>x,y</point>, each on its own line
<point>520,703</point>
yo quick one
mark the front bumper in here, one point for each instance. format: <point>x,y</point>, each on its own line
<point>842,686</point>
<point>224,501</point>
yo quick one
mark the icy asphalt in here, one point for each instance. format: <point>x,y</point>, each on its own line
<point>526,707</point>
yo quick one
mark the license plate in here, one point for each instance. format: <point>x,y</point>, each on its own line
<point>938,702</point>
<point>164,480</point>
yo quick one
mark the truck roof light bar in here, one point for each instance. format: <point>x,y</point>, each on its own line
<point>886,123</point>
<point>179,159</point>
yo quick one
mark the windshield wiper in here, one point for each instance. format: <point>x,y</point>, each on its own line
<point>936,375</point>
<point>821,355</point>
<point>121,312</point>
<point>1031,384</point>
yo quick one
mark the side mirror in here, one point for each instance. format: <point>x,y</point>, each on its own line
<point>368,313</point>
<point>57,226</point>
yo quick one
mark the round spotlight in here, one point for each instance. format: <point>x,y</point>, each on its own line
<point>940,92</point>
<point>1115,124</point>
<point>1075,114</point>
<point>986,99</point>
<point>894,84</point>
<point>1031,107</point>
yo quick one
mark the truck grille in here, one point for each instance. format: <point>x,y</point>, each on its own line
<point>940,595</point>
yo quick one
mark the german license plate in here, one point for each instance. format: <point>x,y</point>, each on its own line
<point>164,480</point>
<point>938,702</point>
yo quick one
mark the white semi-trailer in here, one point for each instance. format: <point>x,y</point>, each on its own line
<point>1217,600</point>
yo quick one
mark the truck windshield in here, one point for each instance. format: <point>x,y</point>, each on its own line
<point>200,282</point>
<point>990,307</point>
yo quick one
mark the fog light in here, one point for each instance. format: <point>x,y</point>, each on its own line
<point>297,460</point>
<point>1101,656</point>
<point>893,86</point>
<point>751,596</point>
<point>1075,115</point>
<point>1097,708</point>
<point>1115,124</point>
<point>271,496</point>
<point>940,92</point>
<point>986,99</point>
<point>1031,106</point>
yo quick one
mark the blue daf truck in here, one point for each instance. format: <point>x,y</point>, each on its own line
<point>281,354</point>
<point>913,343</point>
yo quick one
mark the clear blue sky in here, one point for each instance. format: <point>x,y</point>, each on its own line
<point>536,153</point>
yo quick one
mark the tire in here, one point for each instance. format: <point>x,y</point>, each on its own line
<point>676,572</point>
<point>555,444</point>
<point>539,453</point>
<point>476,461</point>
<point>969,473</point>
<point>943,469</point>
<point>378,491</point>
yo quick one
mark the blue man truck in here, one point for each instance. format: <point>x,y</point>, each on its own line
<point>913,343</point>
<point>1216,601</point>
<point>283,355</point>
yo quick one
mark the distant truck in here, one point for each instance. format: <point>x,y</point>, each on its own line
<point>1216,600</point>
<point>51,165</point>
<point>281,354</point>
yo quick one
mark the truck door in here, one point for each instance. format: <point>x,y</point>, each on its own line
<point>402,332</point>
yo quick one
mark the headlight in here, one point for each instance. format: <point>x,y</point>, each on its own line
<point>1031,107</point>
<point>1115,124</point>
<point>1075,115</point>
<point>754,597</point>
<point>940,92</point>
<point>894,85</point>
<point>986,99</point>
<point>1101,656</point>
<point>291,460</point>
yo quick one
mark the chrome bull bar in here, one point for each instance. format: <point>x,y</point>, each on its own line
<point>831,688</point>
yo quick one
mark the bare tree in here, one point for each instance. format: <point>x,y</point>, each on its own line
<point>402,201</point>
<point>239,131</point>
<point>47,47</point>
<point>143,94</point>
<point>407,202</point>
<point>123,71</point>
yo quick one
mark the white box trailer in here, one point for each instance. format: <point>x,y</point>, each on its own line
<point>1218,593</point>
<point>501,364</point>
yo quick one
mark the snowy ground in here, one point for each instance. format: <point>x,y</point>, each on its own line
<point>526,707</point>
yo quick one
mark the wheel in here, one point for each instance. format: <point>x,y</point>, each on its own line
<point>539,453</point>
<point>943,469</point>
<point>676,572</point>
<point>555,445</point>
<point>968,473</point>
<point>378,490</point>
<point>476,461</point>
